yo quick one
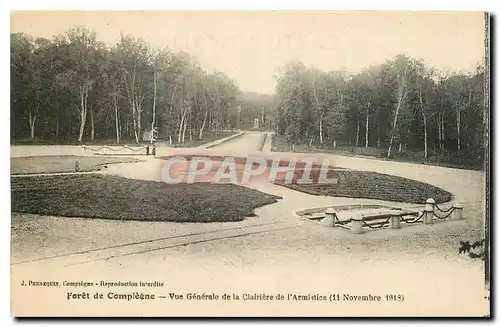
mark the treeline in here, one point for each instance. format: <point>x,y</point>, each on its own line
<point>399,105</point>
<point>74,87</point>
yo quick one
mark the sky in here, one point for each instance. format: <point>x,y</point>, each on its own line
<point>250,46</point>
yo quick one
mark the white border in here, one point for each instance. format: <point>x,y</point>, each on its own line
<point>427,5</point>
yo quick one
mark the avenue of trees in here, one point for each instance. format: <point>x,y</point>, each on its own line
<point>396,106</point>
<point>75,89</point>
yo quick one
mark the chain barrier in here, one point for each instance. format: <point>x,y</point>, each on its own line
<point>445,216</point>
<point>412,217</point>
<point>412,221</point>
<point>379,225</point>
<point>339,222</point>
<point>116,149</point>
<point>443,211</point>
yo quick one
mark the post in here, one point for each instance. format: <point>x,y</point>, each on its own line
<point>329,219</point>
<point>429,211</point>
<point>457,211</point>
<point>395,221</point>
<point>357,225</point>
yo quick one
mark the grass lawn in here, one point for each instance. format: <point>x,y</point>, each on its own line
<point>353,184</point>
<point>371,185</point>
<point>110,197</point>
<point>444,159</point>
<point>207,138</point>
<point>61,163</point>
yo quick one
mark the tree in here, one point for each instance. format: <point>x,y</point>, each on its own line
<point>78,48</point>
<point>425,89</point>
<point>72,86</point>
<point>135,60</point>
<point>458,94</point>
<point>401,68</point>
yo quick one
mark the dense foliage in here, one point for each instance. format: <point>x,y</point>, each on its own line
<point>74,88</point>
<point>397,105</point>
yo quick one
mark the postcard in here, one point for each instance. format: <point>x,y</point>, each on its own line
<point>250,164</point>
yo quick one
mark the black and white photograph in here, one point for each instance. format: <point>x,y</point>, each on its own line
<point>250,163</point>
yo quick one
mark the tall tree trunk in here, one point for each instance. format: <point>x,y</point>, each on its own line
<point>134,105</point>
<point>458,120</point>
<point>393,132</point>
<point>200,135</point>
<point>184,131</point>
<point>321,130</point>
<point>458,127</point>
<point>426,148</point>
<point>32,120</point>
<point>441,142</point>
<point>171,113</point>
<point>443,130</point>
<point>57,123</point>
<point>137,117</point>
<point>218,123</point>
<point>83,117</point>
<point>263,119</point>
<point>134,122</point>
<point>419,93</point>
<point>401,96</point>
<point>319,111</point>
<point>57,127</point>
<point>357,132</point>
<point>190,127</point>
<point>182,124</point>
<point>367,125</point>
<point>394,126</point>
<point>238,118</point>
<point>92,130</point>
<point>441,126</point>
<point>439,130</point>
<point>83,112</point>
<point>378,135</point>
<point>210,121</point>
<point>154,106</point>
<point>117,122</point>
<point>139,127</point>
<point>134,114</point>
